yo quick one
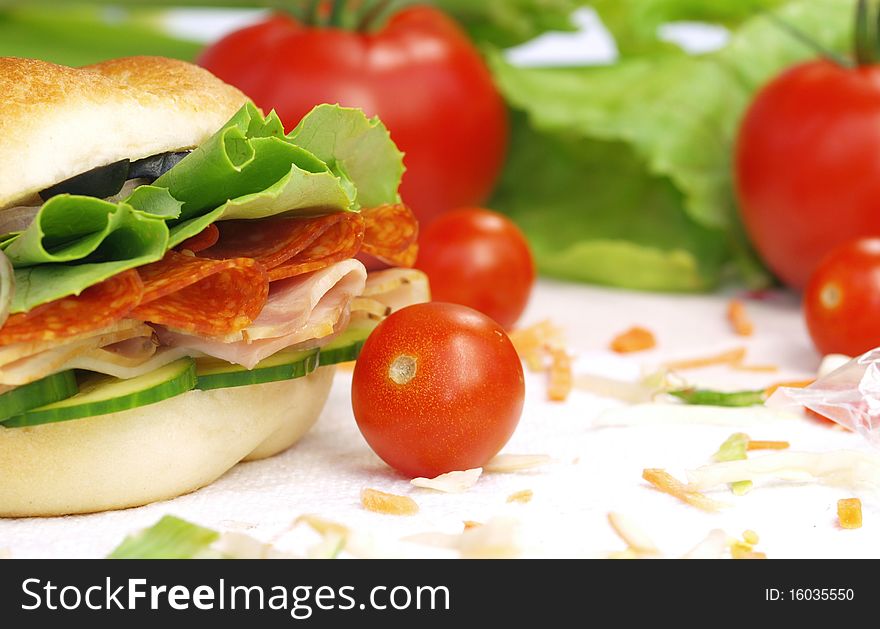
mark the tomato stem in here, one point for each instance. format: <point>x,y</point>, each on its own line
<point>310,16</point>
<point>372,10</point>
<point>867,33</point>
<point>337,11</point>
<point>863,44</point>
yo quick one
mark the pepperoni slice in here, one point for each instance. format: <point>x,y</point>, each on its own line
<point>96,307</point>
<point>339,242</point>
<point>269,241</point>
<point>390,234</point>
<point>210,298</point>
<point>204,239</point>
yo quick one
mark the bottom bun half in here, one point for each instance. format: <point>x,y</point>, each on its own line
<point>153,452</point>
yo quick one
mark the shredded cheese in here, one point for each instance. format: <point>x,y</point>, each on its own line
<point>561,377</point>
<point>503,463</point>
<point>532,342</point>
<point>844,468</point>
<point>849,513</point>
<point>756,368</point>
<point>451,482</point>
<point>665,482</point>
<point>390,504</point>
<point>524,496</point>
<point>634,537</point>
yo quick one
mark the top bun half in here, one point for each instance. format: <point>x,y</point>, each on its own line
<point>57,122</point>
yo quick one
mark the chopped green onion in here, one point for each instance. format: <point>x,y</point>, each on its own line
<point>707,397</point>
<point>734,449</point>
<point>169,538</point>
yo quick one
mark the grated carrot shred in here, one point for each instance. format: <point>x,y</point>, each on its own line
<point>768,445</point>
<point>391,504</point>
<point>561,378</point>
<point>739,318</point>
<point>523,496</point>
<point>531,343</point>
<point>665,482</point>
<point>849,513</point>
<point>636,339</point>
<point>471,524</point>
<point>730,357</point>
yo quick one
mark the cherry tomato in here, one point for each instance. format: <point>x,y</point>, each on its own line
<point>438,387</point>
<point>420,74</point>
<point>842,299</point>
<point>480,259</point>
<point>808,165</point>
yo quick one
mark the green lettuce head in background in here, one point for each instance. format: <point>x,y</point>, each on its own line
<point>619,174</point>
<point>622,174</point>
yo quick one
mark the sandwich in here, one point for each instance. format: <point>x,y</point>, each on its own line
<point>178,276</point>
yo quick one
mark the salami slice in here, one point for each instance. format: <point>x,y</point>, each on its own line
<point>340,241</point>
<point>209,298</point>
<point>269,241</point>
<point>204,239</point>
<point>390,234</point>
<point>95,308</point>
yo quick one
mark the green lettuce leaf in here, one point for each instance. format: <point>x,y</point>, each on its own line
<point>100,237</point>
<point>355,147</point>
<point>675,116</point>
<point>635,24</point>
<point>504,23</point>
<point>592,215</point>
<point>335,160</point>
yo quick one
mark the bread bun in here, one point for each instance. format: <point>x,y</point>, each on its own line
<point>153,452</point>
<point>58,122</point>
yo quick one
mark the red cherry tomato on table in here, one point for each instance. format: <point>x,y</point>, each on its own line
<point>420,74</point>
<point>808,165</point>
<point>480,259</point>
<point>842,299</point>
<point>437,388</point>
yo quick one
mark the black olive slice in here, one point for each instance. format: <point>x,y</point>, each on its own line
<point>104,181</point>
<point>155,166</point>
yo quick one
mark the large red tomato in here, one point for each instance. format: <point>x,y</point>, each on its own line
<point>808,165</point>
<point>420,74</point>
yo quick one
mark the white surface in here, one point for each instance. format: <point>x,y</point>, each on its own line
<point>595,470</point>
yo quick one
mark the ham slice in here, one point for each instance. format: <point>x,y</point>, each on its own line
<point>298,309</point>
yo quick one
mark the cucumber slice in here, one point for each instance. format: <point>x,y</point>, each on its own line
<point>347,346</point>
<point>213,373</point>
<point>46,390</point>
<point>99,394</point>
